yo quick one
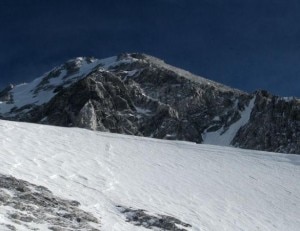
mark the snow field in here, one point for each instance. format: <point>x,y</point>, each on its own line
<point>212,188</point>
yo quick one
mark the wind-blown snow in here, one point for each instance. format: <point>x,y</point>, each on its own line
<point>212,188</point>
<point>222,138</point>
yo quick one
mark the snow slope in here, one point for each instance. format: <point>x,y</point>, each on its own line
<point>224,137</point>
<point>212,188</point>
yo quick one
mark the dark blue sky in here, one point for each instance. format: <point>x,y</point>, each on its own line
<point>247,44</point>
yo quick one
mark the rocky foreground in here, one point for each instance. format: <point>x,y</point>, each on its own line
<point>32,207</point>
<point>27,206</point>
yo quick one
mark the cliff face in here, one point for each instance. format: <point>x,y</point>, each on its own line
<point>274,125</point>
<point>140,95</point>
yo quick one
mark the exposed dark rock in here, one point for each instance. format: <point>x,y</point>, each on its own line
<point>140,217</point>
<point>5,94</point>
<point>141,95</point>
<point>7,227</point>
<point>29,205</point>
<point>158,103</point>
<point>274,125</point>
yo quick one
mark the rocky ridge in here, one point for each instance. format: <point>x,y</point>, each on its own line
<point>140,95</point>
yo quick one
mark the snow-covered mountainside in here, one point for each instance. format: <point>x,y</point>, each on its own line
<point>113,182</point>
<point>141,95</point>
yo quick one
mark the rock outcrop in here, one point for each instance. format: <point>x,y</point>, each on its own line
<point>31,207</point>
<point>274,125</point>
<point>140,217</point>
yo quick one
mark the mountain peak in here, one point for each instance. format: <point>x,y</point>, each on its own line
<point>137,94</point>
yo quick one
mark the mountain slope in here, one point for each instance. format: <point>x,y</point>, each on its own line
<point>209,187</point>
<point>141,95</point>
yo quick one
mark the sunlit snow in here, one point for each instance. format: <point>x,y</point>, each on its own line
<point>224,138</point>
<point>212,188</point>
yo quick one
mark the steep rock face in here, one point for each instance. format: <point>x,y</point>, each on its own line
<point>149,101</point>
<point>274,125</point>
<point>141,95</point>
